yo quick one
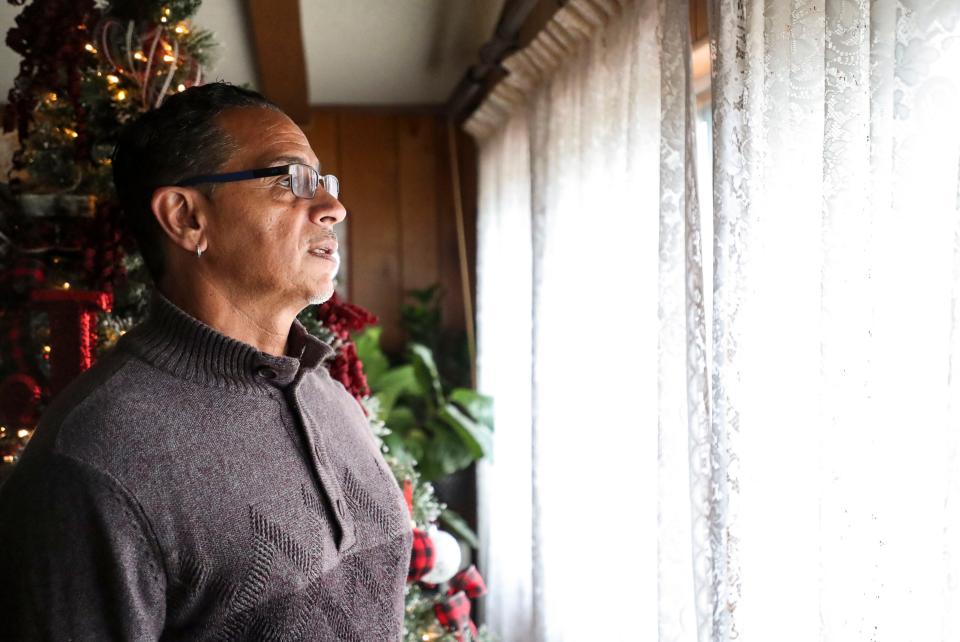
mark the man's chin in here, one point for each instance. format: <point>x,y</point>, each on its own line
<point>318,298</point>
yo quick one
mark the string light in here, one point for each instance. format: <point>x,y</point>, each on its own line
<point>181,87</point>
<point>181,28</point>
<point>23,432</point>
<point>66,285</point>
<point>113,80</point>
<point>46,349</point>
<point>51,97</point>
<point>69,132</point>
<point>90,48</point>
<point>139,56</point>
<point>8,459</point>
<point>163,18</point>
<point>168,58</point>
<point>120,95</point>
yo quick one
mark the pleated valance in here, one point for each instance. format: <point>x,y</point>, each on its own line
<point>573,25</point>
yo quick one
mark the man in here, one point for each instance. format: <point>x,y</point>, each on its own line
<point>207,479</point>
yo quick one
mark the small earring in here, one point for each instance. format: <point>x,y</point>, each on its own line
<point>199,251</point>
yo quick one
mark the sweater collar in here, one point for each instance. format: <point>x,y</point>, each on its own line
<point>174,341</point>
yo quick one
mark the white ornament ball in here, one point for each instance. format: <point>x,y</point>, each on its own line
<point>448,557</point>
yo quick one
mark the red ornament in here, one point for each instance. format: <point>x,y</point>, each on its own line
<point>73,330</point>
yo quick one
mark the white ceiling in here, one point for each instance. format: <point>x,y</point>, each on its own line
<point>392,51</point>
<point>361,52</point>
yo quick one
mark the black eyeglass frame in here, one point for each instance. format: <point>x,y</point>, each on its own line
<point>263,172</point>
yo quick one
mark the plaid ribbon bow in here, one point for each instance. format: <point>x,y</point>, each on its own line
<point>423,556</point>
<point>454,611</point>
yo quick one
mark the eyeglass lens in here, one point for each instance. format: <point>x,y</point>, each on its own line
<point>332,184</point>
<point>304,180</point>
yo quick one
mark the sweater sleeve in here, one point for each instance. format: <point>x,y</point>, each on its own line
<point>78,560</point>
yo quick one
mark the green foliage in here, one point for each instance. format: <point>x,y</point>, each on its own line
<point>459,526</point>
<point>442,433</point>
<point>421,319</point>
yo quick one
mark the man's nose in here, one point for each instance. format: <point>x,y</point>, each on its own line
<point>326,209</point>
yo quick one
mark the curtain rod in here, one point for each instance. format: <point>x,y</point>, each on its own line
<point>470,90</point>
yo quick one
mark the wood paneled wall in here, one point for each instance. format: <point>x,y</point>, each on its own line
<point>699,25</point>
<point>394,170</point>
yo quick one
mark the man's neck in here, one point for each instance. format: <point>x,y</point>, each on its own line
<point>266,329</point>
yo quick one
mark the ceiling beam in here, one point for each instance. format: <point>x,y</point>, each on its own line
<point>278,47</point>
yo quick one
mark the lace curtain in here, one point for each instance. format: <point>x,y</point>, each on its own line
<point>810,491</point>
<point>594,507</point>
<point>837,138</point>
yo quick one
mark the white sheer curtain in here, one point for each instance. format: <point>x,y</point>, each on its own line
<point>593,518</point>
<point>815,497</point>
<point>504,369</point>
<point>837,150</point>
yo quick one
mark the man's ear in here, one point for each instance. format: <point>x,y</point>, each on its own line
<point>182,214</point>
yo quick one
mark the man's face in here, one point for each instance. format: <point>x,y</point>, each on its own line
<point>260,234</point>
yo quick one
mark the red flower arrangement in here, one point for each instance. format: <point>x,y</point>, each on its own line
<point>342,318</point>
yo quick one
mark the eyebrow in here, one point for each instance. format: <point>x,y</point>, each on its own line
<point>286,160</point>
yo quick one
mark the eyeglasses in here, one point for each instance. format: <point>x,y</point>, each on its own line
<point>303,179</point>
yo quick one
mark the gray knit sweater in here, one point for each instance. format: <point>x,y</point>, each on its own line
<point>191,487</point>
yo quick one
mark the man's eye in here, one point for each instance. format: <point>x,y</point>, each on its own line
<point>284,181</point>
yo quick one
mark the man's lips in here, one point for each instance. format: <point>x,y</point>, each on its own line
<point>329,246</point>
<point>323,254</point>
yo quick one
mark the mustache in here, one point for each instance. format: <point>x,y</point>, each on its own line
<point>326,236</point>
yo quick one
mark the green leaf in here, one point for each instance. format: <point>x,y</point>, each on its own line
<point>396,446</point>
<point>375,363</point>
<point>478,406</point>
<point>443,454</point>
<point>459,526</point>
<point>392,384</point>
<point>401,419</point>
<point>477,437</point>
<point>416,445</point>
<point>426,370</point>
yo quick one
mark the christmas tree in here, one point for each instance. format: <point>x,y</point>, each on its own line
<point>71,281</point>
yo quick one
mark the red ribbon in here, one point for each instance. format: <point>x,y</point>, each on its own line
<point>454,614</point>
<point>454,611</point>
<point>469,581</point>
